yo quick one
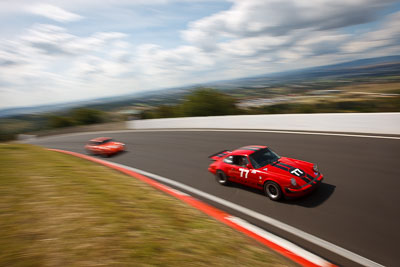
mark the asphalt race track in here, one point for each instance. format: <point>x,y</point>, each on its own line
<point>356,207</point>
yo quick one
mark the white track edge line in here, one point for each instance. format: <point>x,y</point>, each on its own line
<point>228,130</point>
<point>293,248</point>
<point>290,229</point>
<point>280,241</point>
<point>264,234</point>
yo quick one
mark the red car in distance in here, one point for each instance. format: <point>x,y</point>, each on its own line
<point>104,146</point>
<point>259,167</point>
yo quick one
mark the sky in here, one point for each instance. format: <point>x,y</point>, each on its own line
<point>54,51</point>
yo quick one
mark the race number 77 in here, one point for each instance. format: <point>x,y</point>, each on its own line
<point>245,171</point>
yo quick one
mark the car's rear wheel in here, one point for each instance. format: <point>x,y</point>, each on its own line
<point>272,190</point>
<point>221,178</point>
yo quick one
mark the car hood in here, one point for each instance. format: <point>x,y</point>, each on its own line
<point>117,143</point>
<point>302,171</point>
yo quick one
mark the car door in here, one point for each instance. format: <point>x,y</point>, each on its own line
<point>234,173</point>
<point>238,170</point>
<point>99,148</point>
<point>248,175</point>
<point>96,148</point>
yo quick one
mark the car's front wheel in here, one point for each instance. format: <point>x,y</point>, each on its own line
<point>221,178</point>
<point>272,190</point>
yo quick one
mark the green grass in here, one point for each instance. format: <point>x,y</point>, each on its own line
<point>58,210</point>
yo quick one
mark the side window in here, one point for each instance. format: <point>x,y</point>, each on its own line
<point>229,160</point>
<point>240,161</point>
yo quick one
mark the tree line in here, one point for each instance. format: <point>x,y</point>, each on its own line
<point>79,116</point>
<point>202,102</point>
<point>210,102</point>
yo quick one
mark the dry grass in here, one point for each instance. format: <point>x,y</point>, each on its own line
<point>57,210</point>
<point>389,87</point>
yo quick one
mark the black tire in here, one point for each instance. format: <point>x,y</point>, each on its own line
<point>221,178</point>
<point>273,190</point>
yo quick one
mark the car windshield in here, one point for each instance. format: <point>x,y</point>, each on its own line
<point>263,157</point>
<point>96,143</point>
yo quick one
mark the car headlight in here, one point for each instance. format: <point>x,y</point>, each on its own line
<point>315,168</point>
<point>293,182</point>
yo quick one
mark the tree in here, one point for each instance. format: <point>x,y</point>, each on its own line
<point>208,102</point>
<point>84,116</point>
<point>60,122</point>
<point>167,111</point>
<point>6,135</point>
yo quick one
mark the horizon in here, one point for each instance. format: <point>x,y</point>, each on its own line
<point>145,92</point>
<point>54,52</point>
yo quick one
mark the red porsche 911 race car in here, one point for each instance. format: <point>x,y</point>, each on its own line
<point>104,146</point>
<point>260,167</point>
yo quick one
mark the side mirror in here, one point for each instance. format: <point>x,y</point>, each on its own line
<point>248,165</point>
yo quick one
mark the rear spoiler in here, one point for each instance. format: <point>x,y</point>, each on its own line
<point>219,155</point>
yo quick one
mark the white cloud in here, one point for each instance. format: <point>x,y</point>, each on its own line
<point>55,40</point>
<point>179,62</point>
<point>47,60</point>
<point>278,34</point>
<point>54,12</point>
<point>251,46</point>
<point>48,63</point>
<point>387,35</point>
<point>280,17</point>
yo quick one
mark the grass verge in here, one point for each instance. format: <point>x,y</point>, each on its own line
<point>58,210</point>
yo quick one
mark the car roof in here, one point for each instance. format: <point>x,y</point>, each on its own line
<point>247,150</point>
<point>100,139</point>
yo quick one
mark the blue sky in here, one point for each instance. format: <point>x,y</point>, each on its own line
<point>54,51</point>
